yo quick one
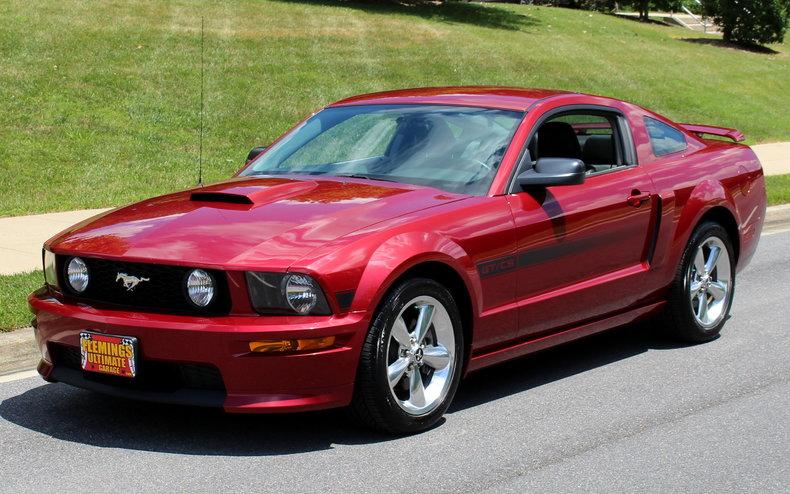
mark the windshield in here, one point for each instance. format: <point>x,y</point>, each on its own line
<point>457,149</point>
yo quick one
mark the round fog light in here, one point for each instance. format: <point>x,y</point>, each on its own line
<point>77,274</point>
<point>200,287</point>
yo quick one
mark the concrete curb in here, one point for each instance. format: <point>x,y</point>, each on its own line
<point>19,352</point>
<point>777,219</point>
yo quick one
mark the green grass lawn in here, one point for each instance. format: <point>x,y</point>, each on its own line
<point>98,100</point>
<point>778,187</point>
<point>13,299</point>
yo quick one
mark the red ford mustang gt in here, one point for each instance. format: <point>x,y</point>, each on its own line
<point>393,242</point>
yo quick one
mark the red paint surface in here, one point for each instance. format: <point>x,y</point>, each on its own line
<point>593,268</point>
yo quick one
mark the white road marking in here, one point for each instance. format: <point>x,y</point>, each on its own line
<point>16,376</point>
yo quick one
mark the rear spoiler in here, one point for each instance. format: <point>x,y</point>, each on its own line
<point>733,134</point>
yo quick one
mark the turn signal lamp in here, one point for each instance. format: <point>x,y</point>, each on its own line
<point>281,346</point>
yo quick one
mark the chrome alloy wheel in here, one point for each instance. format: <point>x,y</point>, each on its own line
<point>421,356</point>
<point>709,281</point>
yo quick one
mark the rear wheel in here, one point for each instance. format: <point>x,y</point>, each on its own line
<point>703,289</point>
<point>411,359</point>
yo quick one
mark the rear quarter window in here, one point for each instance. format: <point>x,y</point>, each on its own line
<point>664,138</point>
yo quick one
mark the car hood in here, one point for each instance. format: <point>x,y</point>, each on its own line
<point>265,222</point>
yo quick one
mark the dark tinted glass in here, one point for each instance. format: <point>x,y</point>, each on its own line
<point>454,148</point>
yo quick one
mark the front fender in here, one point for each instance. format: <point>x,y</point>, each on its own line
<point>404,251</point>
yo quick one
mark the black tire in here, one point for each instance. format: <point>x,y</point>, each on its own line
<point>373,404</point>
<point>679,317</point>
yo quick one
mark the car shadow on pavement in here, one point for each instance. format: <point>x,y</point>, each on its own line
<point>560,362</point>
<point>76,415</point>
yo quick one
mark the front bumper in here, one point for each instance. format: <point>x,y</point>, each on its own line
<point>238,380</point>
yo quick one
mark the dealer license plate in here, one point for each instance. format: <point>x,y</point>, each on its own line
<point>108,354</point>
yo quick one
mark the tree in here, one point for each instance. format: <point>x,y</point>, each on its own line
<point>644,6</point>
<point>750,22</point>
<point>600,5</point>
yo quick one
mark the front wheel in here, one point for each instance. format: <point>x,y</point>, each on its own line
<point>411,359</point>
<point>703,289</point>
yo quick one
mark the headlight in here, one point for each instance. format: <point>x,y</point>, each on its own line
<point>301,293</point>
<point>50,269</point>
<point>77,274</point>
<point>293,293</point>
<point>200,287</point>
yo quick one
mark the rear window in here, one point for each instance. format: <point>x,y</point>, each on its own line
<point>664,138</point>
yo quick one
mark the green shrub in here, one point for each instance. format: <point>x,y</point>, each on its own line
<point>749,22</point>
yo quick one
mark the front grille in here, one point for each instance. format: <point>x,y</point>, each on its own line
<point>152,375</point>
<point>163,291</point>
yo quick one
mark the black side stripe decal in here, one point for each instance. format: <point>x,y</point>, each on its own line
<point>562,249</point>
<point>537,255</point>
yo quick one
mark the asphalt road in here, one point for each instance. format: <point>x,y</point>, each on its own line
<point>623,411</point>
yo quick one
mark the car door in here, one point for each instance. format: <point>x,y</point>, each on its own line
<point>582,249</point>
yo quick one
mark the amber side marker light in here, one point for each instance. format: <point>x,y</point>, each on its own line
<point>280,346</point>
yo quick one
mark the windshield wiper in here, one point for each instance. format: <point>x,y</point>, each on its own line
<point>359,175</point>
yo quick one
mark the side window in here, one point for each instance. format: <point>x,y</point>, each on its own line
<point>664,139</point>
<point>592,137</point>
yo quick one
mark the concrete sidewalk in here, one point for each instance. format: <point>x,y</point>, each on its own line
<point>775,157</point>
<point>21,237</point>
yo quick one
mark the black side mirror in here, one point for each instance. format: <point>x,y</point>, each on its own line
<point>254,152</point>
<point>553,171</point>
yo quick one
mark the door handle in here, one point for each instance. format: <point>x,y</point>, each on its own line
<point>637,197</point>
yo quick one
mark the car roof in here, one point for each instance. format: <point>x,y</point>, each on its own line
<point>505,98</point>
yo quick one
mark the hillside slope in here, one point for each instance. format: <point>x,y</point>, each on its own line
<point>98,100</point>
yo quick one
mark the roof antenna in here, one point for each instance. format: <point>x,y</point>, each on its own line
<point>200,155</point>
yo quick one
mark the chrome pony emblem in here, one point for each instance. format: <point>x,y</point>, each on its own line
<point>129,281</point>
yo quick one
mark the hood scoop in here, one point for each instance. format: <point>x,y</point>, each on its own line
<point>222,197</point>
<point>251,195</point>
